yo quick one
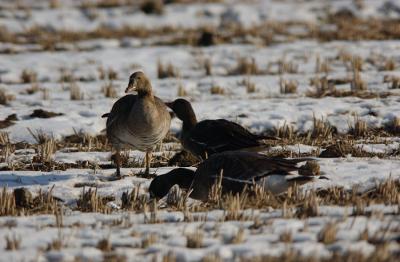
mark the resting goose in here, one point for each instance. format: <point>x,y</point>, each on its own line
<point>137,121</point>
<point>238,169</point>
<point>208,137</point>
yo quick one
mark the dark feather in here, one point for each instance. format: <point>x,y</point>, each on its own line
<point>121,108</point>
<point>220,135</point>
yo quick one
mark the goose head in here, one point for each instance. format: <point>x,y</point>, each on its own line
<point>160,185</point>
<point>139,82</point>
<point>183,110</point>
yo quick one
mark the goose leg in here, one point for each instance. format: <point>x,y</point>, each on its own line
<point>148,160</point>
<point>117,160</point>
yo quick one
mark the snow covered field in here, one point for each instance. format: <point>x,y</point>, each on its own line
<point>329,91</point>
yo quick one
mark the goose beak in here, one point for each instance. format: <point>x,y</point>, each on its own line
<point>131,86</point>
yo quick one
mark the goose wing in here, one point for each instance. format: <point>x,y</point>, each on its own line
<point>222,135</point>
<point>121,109</point>
<point>246,167</point>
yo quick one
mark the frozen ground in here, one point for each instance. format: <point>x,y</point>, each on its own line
<point>129,235</point>
<point>94,236</point>
<point>266,231</point>
<point>261,110</point>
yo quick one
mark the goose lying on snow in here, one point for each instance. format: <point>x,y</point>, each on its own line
<point>238,169</point>
<point>208,137</point>
<point>137,121</point>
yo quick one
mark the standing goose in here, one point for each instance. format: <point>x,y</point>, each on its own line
<point>236,169</point>
<point>137,121</point>
<point>208,137</point>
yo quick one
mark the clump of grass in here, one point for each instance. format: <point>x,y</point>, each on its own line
<point>4,138</point>
<point>54,4</point>
<point>7,203</point>
<point>44,202</point>
<point>170,257</point>
<point>217,90</point>
<point>357,63</point>
<point>90,201</point>
<point>109,90</point>
<point>21,202</point>
<point>325,87</point>
<point>152,7</point>
<point>309,207</point>
<point>75,92</point>
<point>298,203</point>
<point>152,208</point>
<point>86,142</point>
<point>134,200</point>
<point>238,237</point>
<point>245,66</point>
<point>195,239</point>
<point>7,36</point>
<point>250,86</point>
<point>327,235</point>
<point>321,128</point>
<point>214,258</point>
<point>181,90</point>
<point>288,86</point>
<point>339,149</point>
<point>288,67</point>
<point>394,82</point>
<point>104,245</point>
<point>112,75</point>
<point>55,244</point>
<point>233,205</point>
<point>177,198</point>
<point>39,136</point>
<point>215,194</point>
<point>286,237</point>
<point>284,131</point>
<point>13,242</point>
<point>45,93</point>
<point>344,56</point>
<point>149,240</point>
<point>388,190</point>
<point>360,128</point>
<point>34,88</point>
<point>28,76</point>
<point>390,65</point>
<point>207,66</point>
<point>45,151</point>
<point>109,74</point>
<point>393,126</point>
<point>359,207</point>
<point>360,4</point>
<point>5,98</point>
<point>66,76</point>
<point>357,84</point>
<point>103,3</point>
<point>166,71</point>
<point>322,66</point>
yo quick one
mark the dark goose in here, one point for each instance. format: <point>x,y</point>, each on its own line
<point>238,169</point>
<point>208,137</point>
